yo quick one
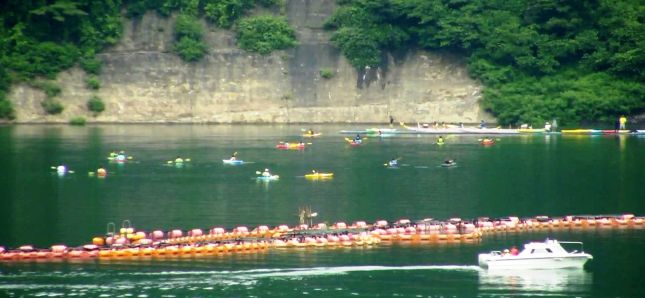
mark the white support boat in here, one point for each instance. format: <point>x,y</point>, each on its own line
<point>536,255</point>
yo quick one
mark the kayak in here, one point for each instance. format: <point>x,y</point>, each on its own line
<point>447,165</point>
<point>268,178</point>
<point>487,142</point>
<point>353,142</point>
<point>319,175</point>
<point>290,146</point>
<point>309,135</point>
<point>392,166</point>
<point>119,158</point>
<point>232,161</point>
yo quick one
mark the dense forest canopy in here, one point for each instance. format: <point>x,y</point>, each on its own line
<point>539,59</point>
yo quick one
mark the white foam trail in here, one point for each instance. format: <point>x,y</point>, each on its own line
<point>268,272</point>
<point>347,269</point>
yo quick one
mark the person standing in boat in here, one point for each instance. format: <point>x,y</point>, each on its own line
<point>622,121</point>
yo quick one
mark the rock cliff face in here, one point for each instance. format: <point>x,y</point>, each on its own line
<point>143,81</point>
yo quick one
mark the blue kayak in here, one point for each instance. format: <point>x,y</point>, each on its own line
<point>232,162</point>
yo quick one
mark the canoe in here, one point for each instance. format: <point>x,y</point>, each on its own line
<point>581,131</point>
<point>453,129</point>
<point>532,130</point>
<point>232,162</point>
<point>268,178</point>
<point>380,131</point>
<point>613,131</point>
<point>319,175</point>
<point>290,146</point>
<point>308,135</point>
<point>476,130</point>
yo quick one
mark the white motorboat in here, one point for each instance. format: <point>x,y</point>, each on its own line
<point>536,255</point>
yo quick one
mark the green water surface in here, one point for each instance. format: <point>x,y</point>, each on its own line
<point>524,175</point>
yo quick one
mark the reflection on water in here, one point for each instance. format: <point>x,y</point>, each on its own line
<point>552,281</point>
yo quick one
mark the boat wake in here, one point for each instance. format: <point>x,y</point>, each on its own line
<point>298,272</point>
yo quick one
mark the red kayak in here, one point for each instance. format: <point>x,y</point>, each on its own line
<point>487,142</point>
<point>290,146</point>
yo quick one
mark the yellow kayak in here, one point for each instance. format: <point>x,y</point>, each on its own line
<point>311,135</point>
<point>581,131</point>
<point>319,175</point>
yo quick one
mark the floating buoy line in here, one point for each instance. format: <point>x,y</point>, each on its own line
<point>132,244</point>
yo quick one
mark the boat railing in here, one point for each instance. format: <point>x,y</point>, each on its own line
<point>110,229</point>
<point>582,250</point>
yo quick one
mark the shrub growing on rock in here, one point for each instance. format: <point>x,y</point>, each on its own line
<point>265,34</point>
<point>52,106</point>
<point>95,104</point>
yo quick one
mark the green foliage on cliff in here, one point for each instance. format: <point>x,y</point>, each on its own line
<point>42,38</point>
<point>95,104</point>
<point>52,106</point>
<point>326,73</point>
<point>188,32</point>
<point>572,60</point>
<point>265,34</point>
<point>92,82</point>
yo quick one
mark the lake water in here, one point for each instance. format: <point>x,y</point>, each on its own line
<point>524,175</point>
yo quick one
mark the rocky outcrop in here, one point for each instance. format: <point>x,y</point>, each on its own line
<point>143,81</point>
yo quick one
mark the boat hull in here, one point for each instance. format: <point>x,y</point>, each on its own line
<point>512,262</point>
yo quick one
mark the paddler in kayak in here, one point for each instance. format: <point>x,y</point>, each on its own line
<point>266,173</point>
<point>234,156</point>
<point>179,159</point>
<point>449,162</point>
<point>393,163</point>
<point>440,140</point>
<point>310,132</point>
<point>101,172</point>
<point>357,139</point>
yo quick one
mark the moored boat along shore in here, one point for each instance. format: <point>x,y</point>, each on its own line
<point>130,243</point>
